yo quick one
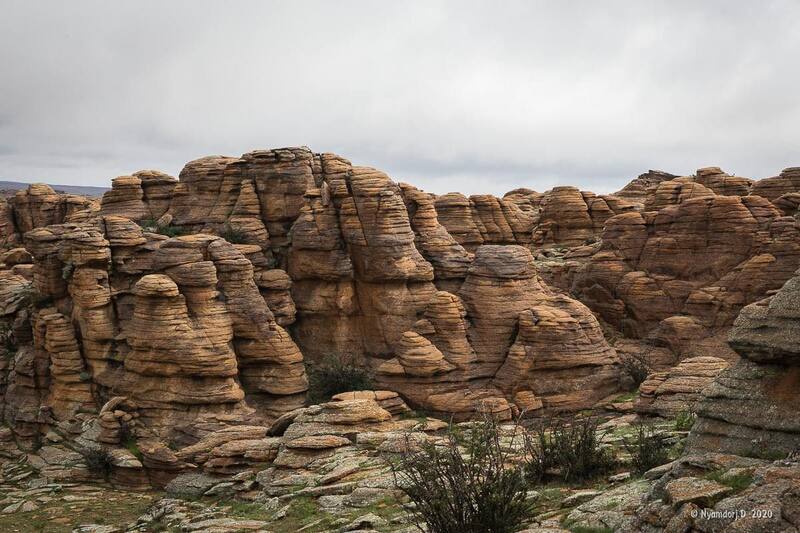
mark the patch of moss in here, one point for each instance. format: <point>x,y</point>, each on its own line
<point>626,397</point>
<point>738,482</point>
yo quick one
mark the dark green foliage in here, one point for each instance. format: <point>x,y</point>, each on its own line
<point>685,420</point>
<point>168,229</point>
<point>99,461</point>
<point>635,366</point>
<point>128,439</point>
<point>148,224</point>
<point>8,344</point>
<point>333,375</point>
<point>233,236</point>
<point>466,485</point>
<point>738,482</point>
<point>67,270</point>
<point>648,448</point>
<point>570,451</point>
<point>171,231</point>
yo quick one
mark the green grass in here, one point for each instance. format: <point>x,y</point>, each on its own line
<point>685,420</point>
<point>132,447</point>
<point>737,482</point>
<point>611,505</point>
<point>766,454</point>
<point>626,397</point>
<point>113,508</point>
<point>167,230</point>
<point>248,511</point>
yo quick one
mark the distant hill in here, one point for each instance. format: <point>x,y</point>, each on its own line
<point>71,189</point>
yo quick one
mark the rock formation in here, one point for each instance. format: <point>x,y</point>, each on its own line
<point>680,388</point>
<point>164,331</point>
<point>691,260</point>
<point>639,189</point>
<point>505,336</point>
<point>752,407</point>
<point>190,307</point>
<point>177,325</point>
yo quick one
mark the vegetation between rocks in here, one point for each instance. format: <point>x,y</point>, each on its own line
<point>8,345</point>
<point>99,461</point>
<point>684,421</point>
<point>466,485</point>
<point>572,452</point>
<point>233,235</point>
<point>636,367</point>
<point>162,229</point>
<point>647,447</point>
<point>333,375</point>
<point>738,481</point>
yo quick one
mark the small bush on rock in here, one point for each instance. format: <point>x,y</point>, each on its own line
<point>333,375</point>
<point>467,484</point>
<point>233,236</point>
<point>99,461</point>
<point>635,366</point>
<point>647,447</point>
<point>685,420</point>
<point>162,229</point>
<point>570,451</point>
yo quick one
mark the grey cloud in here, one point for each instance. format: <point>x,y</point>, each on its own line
<point>469,96</point>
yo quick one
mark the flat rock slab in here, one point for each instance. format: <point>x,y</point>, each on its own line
<point>695,490</point>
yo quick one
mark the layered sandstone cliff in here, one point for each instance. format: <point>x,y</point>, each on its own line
<point>680,271</point>
<point>461,304</point>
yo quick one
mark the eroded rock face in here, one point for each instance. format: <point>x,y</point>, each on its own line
<point>752,408</point>
<point>514,343</point>
<point>680,388</point>
<point>643,186</point>
<point>179,326</point>
<point>570,217</point>
<point>37,206</point>
<point>441,297</point>
<point>702,256</point>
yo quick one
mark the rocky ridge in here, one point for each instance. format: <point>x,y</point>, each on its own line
<point>167,328</point>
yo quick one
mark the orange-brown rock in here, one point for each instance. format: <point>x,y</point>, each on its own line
<point>787,182</point>
<point>521,342</point>
<point>291,255</point>
<point>177,325</point>
<point>678,389</point>
<point>704,257</point>
<point>570,217</point>
<point>359,280</point>
<point>37,206</point>
<point>643,186</point>
<point>126,198</point>
<point>449,259</point>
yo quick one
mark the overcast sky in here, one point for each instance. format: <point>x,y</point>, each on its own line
<point>469,96</point>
